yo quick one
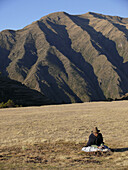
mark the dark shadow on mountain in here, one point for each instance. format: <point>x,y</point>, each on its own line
<point>55,61</point>
<point>20,94</point>
<point>5,49</point>
<point>60,39</point>
<point>106,47</point>
<point>4,60</point>
<point>30,56</point>
<point>68,89</point>
<point>125,68</point>
<point>51,88</point>
<point>122,28</point>
<point>119,149</point>
<point>99,16</point>
<point>118,26</point>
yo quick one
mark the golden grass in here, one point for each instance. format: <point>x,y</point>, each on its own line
<point>69,125</point>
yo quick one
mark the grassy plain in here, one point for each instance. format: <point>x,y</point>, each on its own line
<point>51,137</point>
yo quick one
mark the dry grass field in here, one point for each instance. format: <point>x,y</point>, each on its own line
<point>51,137</point>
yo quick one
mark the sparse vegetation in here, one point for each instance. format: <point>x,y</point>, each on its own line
<point>8,104</point>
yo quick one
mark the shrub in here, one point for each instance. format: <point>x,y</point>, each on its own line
<point>2,105</point>
<point>8,104</point>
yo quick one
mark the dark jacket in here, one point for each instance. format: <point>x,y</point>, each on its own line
<point>93,140</point>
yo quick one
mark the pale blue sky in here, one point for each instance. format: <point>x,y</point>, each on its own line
<point>16,14</point>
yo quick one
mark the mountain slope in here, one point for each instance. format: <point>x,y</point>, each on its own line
<point>20,94</point>
<point>69,58</point>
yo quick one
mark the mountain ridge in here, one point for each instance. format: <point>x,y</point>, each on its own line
<point>69,58</point>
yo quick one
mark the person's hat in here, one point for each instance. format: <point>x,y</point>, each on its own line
<point>95,130</point>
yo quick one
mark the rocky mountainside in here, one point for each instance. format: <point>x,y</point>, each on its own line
<point>20,94</point>
<point>69,58</point>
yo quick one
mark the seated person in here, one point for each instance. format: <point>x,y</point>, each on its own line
<point>95,138</point>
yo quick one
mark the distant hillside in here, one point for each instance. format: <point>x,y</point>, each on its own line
<point>69,58</point>
<point>20,94</point>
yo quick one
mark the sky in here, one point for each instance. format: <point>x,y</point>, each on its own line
<point>16,14</point>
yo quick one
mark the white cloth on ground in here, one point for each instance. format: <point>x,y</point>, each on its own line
<point>94,149</point>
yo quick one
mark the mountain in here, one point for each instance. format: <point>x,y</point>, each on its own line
<point>20,94</point>
<point>69,58</point>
